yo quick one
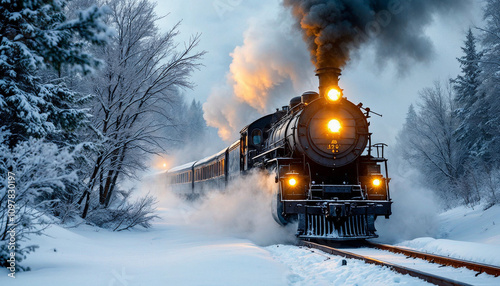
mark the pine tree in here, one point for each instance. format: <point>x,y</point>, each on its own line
<point>38,43</point>
<point>490,81</point>
<point>406,137</point>
<point>36,37</point>
<point>470,109</point>
<point>195,121</point>
<point>467,83</point>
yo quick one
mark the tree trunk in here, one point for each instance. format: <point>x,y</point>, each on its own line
<point>116,174</point>
<point>86,208</point>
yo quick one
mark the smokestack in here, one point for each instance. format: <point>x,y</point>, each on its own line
<point>328,77</point>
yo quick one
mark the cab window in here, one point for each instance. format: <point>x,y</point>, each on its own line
<point>257,137</point>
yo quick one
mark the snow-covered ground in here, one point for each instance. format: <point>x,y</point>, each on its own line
<point>230,239</point>
<point>168,254</point>
<point>464,233</point>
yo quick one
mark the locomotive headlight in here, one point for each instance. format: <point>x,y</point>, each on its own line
<point>334,94</point>
<point>292,182</point>
<point>334,126</point>
<point>376,182</point>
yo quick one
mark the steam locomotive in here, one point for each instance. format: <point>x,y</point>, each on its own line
<point>329,176</point>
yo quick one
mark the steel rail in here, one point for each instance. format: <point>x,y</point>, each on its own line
<point>443,260</point>
<point>431,278</point>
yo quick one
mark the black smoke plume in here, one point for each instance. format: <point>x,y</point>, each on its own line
<point>334,29</point>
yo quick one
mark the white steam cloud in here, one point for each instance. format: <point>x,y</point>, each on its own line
<point>242,210</point>
<point>269,68</point>
<point>414,209</point>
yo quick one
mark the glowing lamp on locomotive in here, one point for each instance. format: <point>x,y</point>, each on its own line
<point>334,126</point>
<point>334,94</point>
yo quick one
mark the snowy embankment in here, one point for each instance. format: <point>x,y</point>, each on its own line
<point>464,233</point>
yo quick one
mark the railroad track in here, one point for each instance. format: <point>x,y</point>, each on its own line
<point>431,278</point>
<point>443,260</point>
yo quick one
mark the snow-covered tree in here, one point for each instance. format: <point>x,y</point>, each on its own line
<point>195,121</point>
<point>144,70</point>
<point>467,83</point>
<point>35,175</point>
<point>38,112</point>
<point>428,140</point>
<point>35,36</point>
<point>490,79</point>
<point>472,109</point>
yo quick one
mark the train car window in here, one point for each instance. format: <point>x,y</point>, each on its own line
<point>257,137</point>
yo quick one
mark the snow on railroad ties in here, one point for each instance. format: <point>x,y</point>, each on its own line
<point>312,267</point>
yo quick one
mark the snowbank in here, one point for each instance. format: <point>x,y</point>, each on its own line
<point>465,233</point>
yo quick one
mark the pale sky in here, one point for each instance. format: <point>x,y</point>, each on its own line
<point>223,25</point>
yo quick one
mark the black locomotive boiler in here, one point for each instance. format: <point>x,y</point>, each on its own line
<point>329,177</point>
